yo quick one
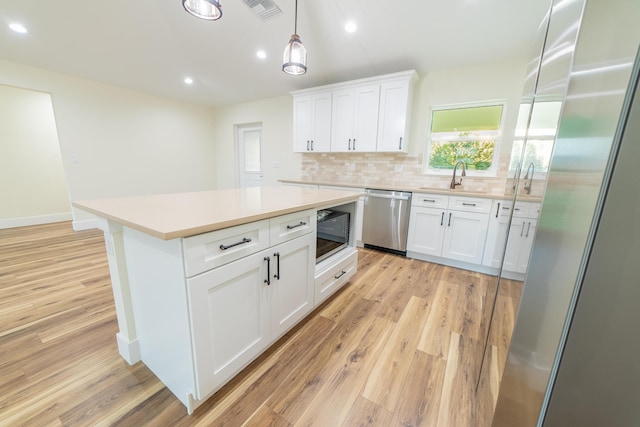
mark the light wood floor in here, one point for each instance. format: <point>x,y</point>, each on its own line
<point>400,345</point>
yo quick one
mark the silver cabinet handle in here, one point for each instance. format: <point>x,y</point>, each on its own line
<point>349,143</point>
<point>468,204</point>
<point>291,227</point>
<point>522,231</point>
<point>277,275</point>
<point>442,219</point>
<point>340,275</point>
<point>428,200</point>
<point>307,145</point>
<point>498,210</point>
<point>312,145</point>
<point>268,279</point>
<point>244,240</point>
<point>354,143</point>
<point>528,228</point>
<point>400,145</point>
<point>449,224</point>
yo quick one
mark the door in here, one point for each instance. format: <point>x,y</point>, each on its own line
<point>249,142</point>
<point>426,231</point>
<point>229,319</point>
<point>291,289</point>
<point>394,99</point>
<point>464,236</point>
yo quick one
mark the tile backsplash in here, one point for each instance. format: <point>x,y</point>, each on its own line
<point>392,170</point>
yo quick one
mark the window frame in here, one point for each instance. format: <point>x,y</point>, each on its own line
<point>493,170</point>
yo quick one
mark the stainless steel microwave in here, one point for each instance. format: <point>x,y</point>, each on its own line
<point>332,233</point>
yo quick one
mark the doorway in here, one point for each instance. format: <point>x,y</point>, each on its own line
<point>249,149</point>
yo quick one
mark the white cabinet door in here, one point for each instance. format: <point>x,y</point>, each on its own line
<point>426,230</point>
<point>393,116</point>
<point>354,119</point>
<point>312,122</point>
<point>229,319</point>
<point>465,235</point>
<point>291,288</point>
<point>527,245</point>
<point>514,244</point>
<point>343,105</point>
<point>496,238</point>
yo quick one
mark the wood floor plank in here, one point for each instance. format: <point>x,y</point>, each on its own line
<point>345,384</point>
<point>365,413</point>
<point>384,384</point>
<point>402,330</point>
<point>421,393</point>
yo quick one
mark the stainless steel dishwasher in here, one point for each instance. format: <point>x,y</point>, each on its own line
<point>386,220</point>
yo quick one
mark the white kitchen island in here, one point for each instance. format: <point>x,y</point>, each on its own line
<point>204,282</point>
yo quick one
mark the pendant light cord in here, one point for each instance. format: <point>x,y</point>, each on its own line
<point>295,26</point>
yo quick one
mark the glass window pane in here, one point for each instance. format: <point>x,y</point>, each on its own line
<point>467,119</point>
<point>251,140</point>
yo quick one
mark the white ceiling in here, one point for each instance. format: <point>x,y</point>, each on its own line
<point>151,45</point>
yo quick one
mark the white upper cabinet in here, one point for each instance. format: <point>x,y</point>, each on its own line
<point>365,115</point>
<point>312,122</point>
<point>393,119</point>
<point>354,119</point>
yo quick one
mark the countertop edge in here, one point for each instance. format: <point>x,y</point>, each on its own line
<point>415,190</point>
<point>219,225</point>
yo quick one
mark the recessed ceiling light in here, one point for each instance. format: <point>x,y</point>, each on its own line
<point>18,28</point>
<point>350,27</point>
<point>188,80</point>
<point>261,54</point>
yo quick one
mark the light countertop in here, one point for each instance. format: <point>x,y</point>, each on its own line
<point>457,192</point>
<point>169,216</point>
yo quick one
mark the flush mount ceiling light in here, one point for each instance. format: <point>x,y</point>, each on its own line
<point>18,28</point>
<point>203,9</point>
<point>295,55</point>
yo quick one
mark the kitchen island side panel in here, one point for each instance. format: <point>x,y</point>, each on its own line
<point>161,310</point>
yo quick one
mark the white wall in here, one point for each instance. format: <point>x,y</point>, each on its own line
<point>276,116</point>
<point>126,142</point>
<point>33,188</point>
<point>476,83</point>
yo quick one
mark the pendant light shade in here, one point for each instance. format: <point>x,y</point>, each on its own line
<point>203,9</point>
<point>294,59</point>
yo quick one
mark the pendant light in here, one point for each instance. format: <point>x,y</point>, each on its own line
<point>295,55</point>
<point>204,9</point>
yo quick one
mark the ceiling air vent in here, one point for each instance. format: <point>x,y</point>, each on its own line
<point>263,9</point>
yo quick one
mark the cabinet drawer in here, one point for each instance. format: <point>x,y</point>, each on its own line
<point>206,251</point>
<point>521,209</point>
<point>426,200</point>
<point>534,210</point>
<point>290,226</point>
<point>470,204</point>
<point>334,277</point>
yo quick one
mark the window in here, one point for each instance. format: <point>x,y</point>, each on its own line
<point>466,133</point>
<point>540,136</point>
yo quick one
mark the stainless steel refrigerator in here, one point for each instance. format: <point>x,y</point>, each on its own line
<point>574,358</point>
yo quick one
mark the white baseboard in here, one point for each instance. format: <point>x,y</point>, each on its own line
<point>86,224</point>
<point>34,220</point>
<point>129,350</point>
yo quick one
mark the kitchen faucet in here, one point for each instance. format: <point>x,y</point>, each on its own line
<point>530,178</point>
<point>464,173</point>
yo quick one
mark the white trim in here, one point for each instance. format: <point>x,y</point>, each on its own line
<point>34,220</point>
<point>86,224</point>
<point>493,170</point>
<point>129,350</point>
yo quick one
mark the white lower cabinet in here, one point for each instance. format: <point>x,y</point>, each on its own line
<point>464,236</point>
<point>238,309</point>
<point>232,295</point>
<point>291,290</point>
<point>519,245</point>
<point>448,233</point>
<point>332,278</point>
<point>520,236</point>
